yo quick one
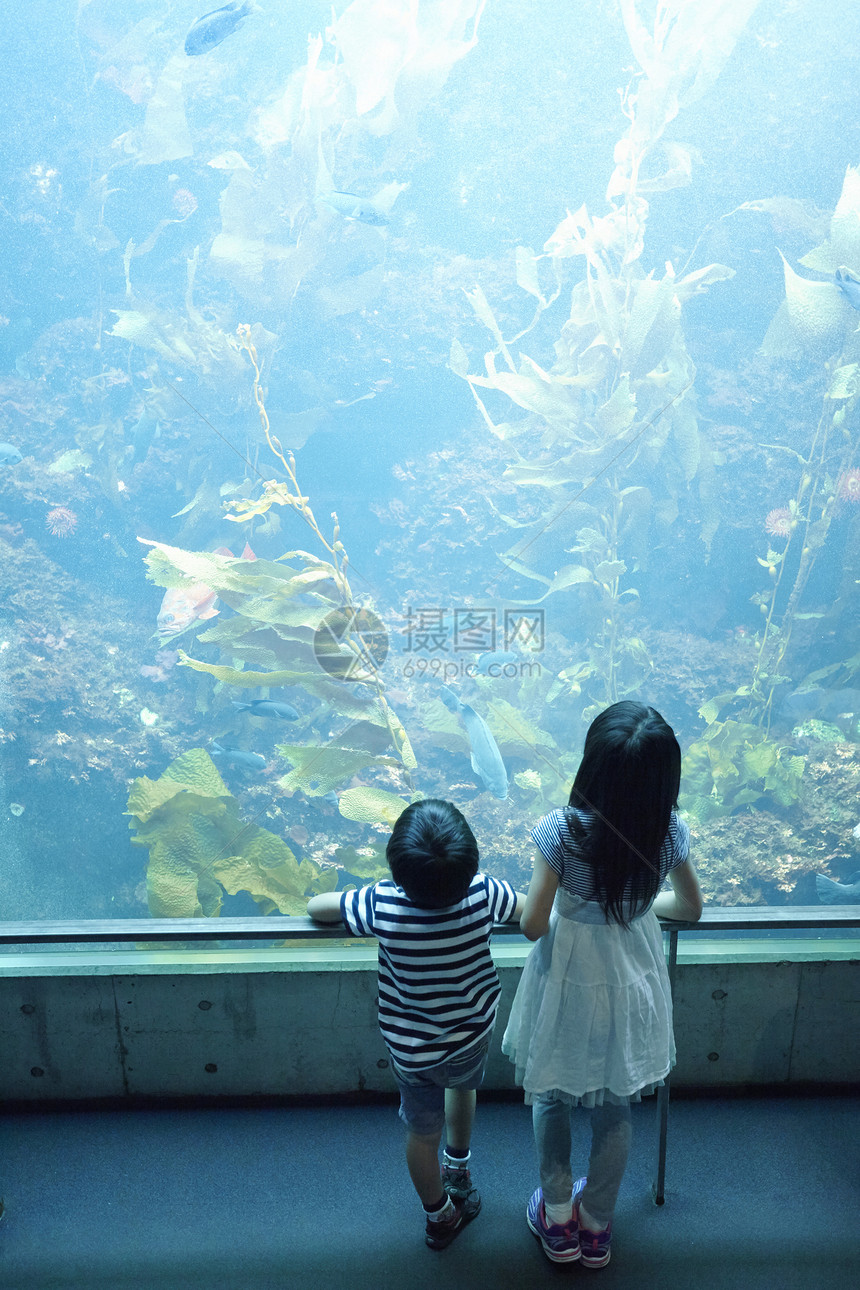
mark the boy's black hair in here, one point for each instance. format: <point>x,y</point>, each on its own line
<point>629,778</point>
<point>432,854</point>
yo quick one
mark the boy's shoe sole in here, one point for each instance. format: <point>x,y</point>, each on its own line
<point>440,1235</point>
<point>594,1245</point>
<point>560,1244</point>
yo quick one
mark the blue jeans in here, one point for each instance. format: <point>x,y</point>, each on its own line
<point>422,1093</point>
<point>610,1146</point>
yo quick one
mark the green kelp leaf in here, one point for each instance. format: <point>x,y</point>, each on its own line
<point>270,873</point>
<point>695,283</point>
<point>371,806</point>
<point>458,359</point>
<point>654,319</point>
<point>481,306</point>
<point>844,382</point>
<point>531,388</point>
<point>68,462</point>
<point>526,267</point>
<point>325,766</point>
<point>149,795</point>
<point>685,434</point>
<point>514,732</point>
<point>184,838</point>
<point>570,575</point>
<point>817,310</point>
<point>619,411</point>
<point>439,720</point>
<point>342,698</point>
<point>404,744</point>
<point>569,470</point>
<point>367,864</point>
<point>196,770</point>
<point>842,247</point>
<point>608,570</point>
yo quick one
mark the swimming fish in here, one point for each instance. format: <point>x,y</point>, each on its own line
<point>267,708</point>
<point>838,893</point>
<point>143,432</point>
<point>351,207</point>
<point>183,606</point>
<point>491,664</point>
<point>849,285</point>
<point>216,26</point>
<point>9,455</point>
<point>238,756</point>
<point>486,758</point>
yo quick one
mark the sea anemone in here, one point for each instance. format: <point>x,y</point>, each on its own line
<point>848,485</point>
<point>778,522</point>
<point>61,521</point>
<point>184,202</point>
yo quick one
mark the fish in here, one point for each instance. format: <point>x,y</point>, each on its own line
<point>838,893</point>
<point>238,756</point>
<point>184,606</point>
<point>267,708</point>
<point>212,28</point>
<point>486,758</point>
<point>849,284</point>
<point>143,432</point>
<point>9,455</point>
<point>495,659</point>
<point>351,207</point>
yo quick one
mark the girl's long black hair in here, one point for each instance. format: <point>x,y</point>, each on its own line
<point>628,780</point>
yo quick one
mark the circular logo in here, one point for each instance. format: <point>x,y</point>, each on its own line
<point>351,644</point>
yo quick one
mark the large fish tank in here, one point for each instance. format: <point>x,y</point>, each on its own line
<point>389,386</point>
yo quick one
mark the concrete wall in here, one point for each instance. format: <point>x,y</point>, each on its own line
<point>260,1027</point>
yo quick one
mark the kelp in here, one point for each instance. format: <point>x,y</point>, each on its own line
<point>199,847</point>
<point>735,764</point>
<point>296,623</point>
<point>618,398</point>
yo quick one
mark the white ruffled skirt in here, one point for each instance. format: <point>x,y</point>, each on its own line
<point>592,1017</point>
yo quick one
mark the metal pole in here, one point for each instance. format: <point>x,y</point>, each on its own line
<point>658,1188</point>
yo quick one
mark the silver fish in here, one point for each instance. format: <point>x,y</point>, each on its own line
<point>9,455</point>
<point>216,26</point>
<point>849,285</point>
<point>351,207</point>
<point>486,758</point>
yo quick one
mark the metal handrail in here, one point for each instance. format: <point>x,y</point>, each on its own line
<point>281,927</point>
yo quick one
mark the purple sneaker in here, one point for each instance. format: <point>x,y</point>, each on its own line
<point>560,1242</point>
<point>594,1245</point>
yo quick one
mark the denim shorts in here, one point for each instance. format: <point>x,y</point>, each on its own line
<point>422,1093</point>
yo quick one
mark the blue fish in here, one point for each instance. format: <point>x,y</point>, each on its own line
<point>9,455</point>
<point>838,893</point>
<point>216,26</point>
<point>238,756</point>
<point>351,207</point>
<point>849,284</point>
<point>143,432</point>
<point>492,663</point>
<point>486,758</point>
<point>267,708</point>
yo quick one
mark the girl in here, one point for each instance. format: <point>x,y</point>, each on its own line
<point>591,1023</point>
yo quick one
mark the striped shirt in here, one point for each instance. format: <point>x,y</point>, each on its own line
<point>555,841</point>
<point>438,985</point>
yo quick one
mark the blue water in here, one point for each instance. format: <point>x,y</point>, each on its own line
<point>129,262</point>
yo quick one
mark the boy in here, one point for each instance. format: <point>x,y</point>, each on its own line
<point>438,992</point>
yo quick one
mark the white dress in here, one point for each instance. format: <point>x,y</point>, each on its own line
<point>592,1017</point>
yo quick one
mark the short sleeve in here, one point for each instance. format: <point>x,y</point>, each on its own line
<point>356,910</point>
<point>679,841</point>
<point>546,836</point>
<point>502,899</point>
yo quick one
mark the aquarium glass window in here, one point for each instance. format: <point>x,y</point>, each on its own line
<point>389,386</point>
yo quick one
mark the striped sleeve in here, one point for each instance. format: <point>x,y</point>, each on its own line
<point>546,836</point>
<point>502,899</point>
<point>356,910</point>
<point>679,841</point>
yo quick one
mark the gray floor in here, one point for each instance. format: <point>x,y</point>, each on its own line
<point>762,1194</point>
